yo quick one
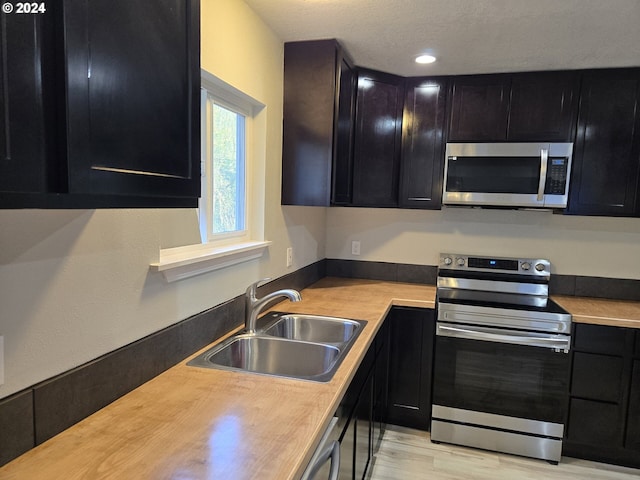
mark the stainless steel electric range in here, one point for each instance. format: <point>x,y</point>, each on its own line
<point>501,369</point>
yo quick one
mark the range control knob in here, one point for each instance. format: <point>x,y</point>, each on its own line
<point>540,267</point>
<point>460,262</point>
<point>447,260</point>
<point>525,266</point>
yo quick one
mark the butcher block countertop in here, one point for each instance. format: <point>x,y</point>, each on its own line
<point>195,423</point>
<point>600,311</point>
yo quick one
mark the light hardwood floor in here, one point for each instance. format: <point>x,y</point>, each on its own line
<point>407,454</point>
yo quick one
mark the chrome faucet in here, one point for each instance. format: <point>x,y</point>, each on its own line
<point>254,305</point>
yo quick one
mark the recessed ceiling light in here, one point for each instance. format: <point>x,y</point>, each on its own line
<point>425,59</point>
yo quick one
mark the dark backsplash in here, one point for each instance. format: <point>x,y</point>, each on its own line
<point>572,285</point>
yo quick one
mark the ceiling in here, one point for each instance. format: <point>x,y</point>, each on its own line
<point>467,36</point>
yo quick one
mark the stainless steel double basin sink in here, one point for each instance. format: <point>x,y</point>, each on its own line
<point>307,347</point>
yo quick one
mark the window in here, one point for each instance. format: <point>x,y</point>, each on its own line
<point>223,203</point>
<point>231,211</point>
<point>226,161</point>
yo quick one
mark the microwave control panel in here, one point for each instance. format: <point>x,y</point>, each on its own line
<point>556,176</point>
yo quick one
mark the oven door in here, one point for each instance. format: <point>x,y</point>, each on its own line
<point>501,372</point>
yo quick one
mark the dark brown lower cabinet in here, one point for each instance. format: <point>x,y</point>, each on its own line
<point>632,442</point>
<point>347,450</point>
<point>359,415</point>
<point>363,430</point>
<point>604,403</point>
<point>380,386</point>
<point>397,368</point>
<point>411,339</point>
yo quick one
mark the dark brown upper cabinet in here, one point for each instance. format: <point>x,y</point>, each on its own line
<point>423,143</point>
<point>606,169</point>
<point>606,163</point>
<point>377,139</point>
<point>543,107</point>
<point>111,96</point>
<point>479,108</point>
<point>27,121</point>
<point>319,90</point>
<point>538,106</point>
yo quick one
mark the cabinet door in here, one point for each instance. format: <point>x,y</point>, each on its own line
<point>363,434</point>
<point>479,108</point>
<point>543,107</point>
<point>633,417</point>
<point>133,105</point>
<point>381,386</point>
<point>356,412</point>
<point>26,102</point>
<point>347,451</point>
<point>308,124</point>
<point>342,188</point>
<point>606,163</point>
<point>377,139</point>
<point>597,377</point>
<point>423,143</point>
<point>412,333</point>
<point>594,423</point>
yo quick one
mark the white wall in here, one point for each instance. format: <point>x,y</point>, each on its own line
<point>76,284</point>
<point>592,246</point>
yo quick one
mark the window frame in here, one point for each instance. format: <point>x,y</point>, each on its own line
<point>178,263</point>
<point>205,208</point>
<point>233,99</point>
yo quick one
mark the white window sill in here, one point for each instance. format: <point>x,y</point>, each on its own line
<point>184,262</point>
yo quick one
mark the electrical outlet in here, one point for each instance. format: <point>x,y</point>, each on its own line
<point>355,247</point>
<point>289,256</point>
<point>1,360</point>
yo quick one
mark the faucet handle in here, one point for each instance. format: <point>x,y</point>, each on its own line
<point>251,289</point>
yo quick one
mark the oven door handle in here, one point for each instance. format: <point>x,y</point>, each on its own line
<point>557,344</point>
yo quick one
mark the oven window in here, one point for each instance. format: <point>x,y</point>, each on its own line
<point>499,378</point>
<point>494,175</point>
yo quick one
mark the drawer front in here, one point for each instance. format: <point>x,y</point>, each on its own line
<point>599,339</point>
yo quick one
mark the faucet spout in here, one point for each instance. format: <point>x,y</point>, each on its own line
<point>254,305</point>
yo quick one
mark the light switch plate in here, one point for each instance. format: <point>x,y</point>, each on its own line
<point>1,360</point>
<point>289,256</point>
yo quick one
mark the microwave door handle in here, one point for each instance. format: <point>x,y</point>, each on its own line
<point>544,158</point>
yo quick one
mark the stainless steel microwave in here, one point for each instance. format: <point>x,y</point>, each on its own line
<point>516,175</point>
